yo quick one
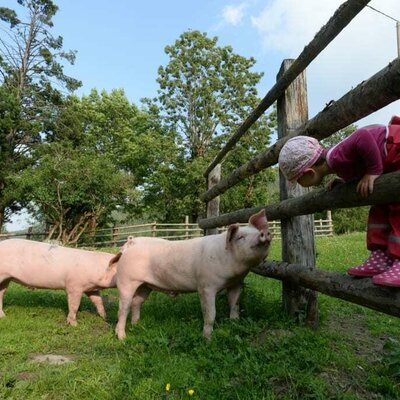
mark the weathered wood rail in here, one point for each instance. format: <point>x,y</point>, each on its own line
<point>356,290</point>
<point>387,189</point>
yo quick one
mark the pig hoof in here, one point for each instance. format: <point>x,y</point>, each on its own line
<point>2,315</point>
<point>72,322</point>
<point>120,335</point>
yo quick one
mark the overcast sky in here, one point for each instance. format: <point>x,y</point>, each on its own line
<point>120,44</point>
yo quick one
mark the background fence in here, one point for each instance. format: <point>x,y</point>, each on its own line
<point>117,235</point>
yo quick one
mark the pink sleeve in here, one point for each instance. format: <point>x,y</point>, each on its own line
<point>366,146</point>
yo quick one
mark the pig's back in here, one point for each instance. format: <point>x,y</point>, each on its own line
<point>44,265</point>
<point>164,264</point>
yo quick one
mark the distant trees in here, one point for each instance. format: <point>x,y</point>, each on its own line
<point>31,73</point>
<point>73,161</point>
<point>71,191</point>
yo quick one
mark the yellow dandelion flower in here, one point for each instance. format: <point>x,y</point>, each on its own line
<point>190,392</point>
<point>168,387</point>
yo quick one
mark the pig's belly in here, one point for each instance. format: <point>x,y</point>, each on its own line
<point>170,282</point>
<point>41,278</point>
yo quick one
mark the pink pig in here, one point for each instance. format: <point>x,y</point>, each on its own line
<point>206,265</point>
<point>48,266</point>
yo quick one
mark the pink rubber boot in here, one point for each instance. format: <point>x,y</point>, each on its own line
<point>377,263</point>
<point>390,277</point>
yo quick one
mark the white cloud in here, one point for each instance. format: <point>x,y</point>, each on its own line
<point>363,48</point>
<point>233,15</point>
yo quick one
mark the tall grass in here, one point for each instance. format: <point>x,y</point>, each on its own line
<point>261,356</point>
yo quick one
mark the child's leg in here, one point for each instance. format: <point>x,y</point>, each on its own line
<point>391,277</point>
<point>378,230</point>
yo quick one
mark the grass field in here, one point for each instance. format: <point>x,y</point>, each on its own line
<point>262,356</point>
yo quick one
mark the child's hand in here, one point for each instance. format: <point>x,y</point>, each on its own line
<point>366,185</point>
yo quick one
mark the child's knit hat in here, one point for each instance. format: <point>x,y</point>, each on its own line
<point>298,154</point>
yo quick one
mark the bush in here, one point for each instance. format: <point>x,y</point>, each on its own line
<point>348,220</point>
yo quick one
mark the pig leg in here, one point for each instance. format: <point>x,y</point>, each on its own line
<point>95,298</point>
<point>74,299</point>
<point>233,297</point>
<point>207,300</point>
<point>138,299</point>
<point>126,293</point>
<point>3,287</point>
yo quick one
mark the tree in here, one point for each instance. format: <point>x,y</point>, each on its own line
<point>205,92</point>
<point>71,191</point>
<point>205,89</point>
<point>109,125</point>
<point>30,68</point>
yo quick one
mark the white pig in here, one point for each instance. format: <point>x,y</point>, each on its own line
<point>48,266</point>
<point>206,265</point>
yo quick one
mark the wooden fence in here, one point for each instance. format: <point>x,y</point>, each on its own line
<point>297,271</point>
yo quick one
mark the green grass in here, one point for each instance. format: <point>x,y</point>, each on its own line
<point>262,356</point>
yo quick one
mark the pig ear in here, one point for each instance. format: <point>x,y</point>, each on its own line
<point>230,234</point>
<point>259,220</point>
<point>114,259</point>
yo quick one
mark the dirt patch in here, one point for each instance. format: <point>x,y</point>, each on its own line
<point>25,376</point>
<point>269,334</point>
<point>355,330</point>
<point>54,359</point>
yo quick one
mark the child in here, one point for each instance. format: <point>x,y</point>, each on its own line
<point>364,155</point>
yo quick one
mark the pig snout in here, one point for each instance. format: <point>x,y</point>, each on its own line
<point>264,239</point>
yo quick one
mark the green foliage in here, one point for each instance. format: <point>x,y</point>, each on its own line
<point>205,92</point>
<point>31,70</point>
<point>263,355</point>
<point>72,191</point>
<point>391,357</point>
<point>205,89</point>
<point>348,220</point>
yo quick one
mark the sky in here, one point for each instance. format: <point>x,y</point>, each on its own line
<point>120,44</point>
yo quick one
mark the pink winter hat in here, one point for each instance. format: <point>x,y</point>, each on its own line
<point>298,154</point>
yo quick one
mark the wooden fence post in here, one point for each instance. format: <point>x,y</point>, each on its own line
<point>29,233</point>
<point>330,222</point>
<point>114,234</point>
<point>298,232</point>
<point>154,229</point>
<point>186,227</point>
<point>213,206</point>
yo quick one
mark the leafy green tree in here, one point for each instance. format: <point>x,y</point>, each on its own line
<point>30,68</point>
<point>205,89</point>
<point>71,191</point>
<point>9,118</point>
<point>205,92</point>
<point>109,125</point>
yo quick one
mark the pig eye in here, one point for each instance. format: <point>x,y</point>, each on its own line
<point>240,237</point>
